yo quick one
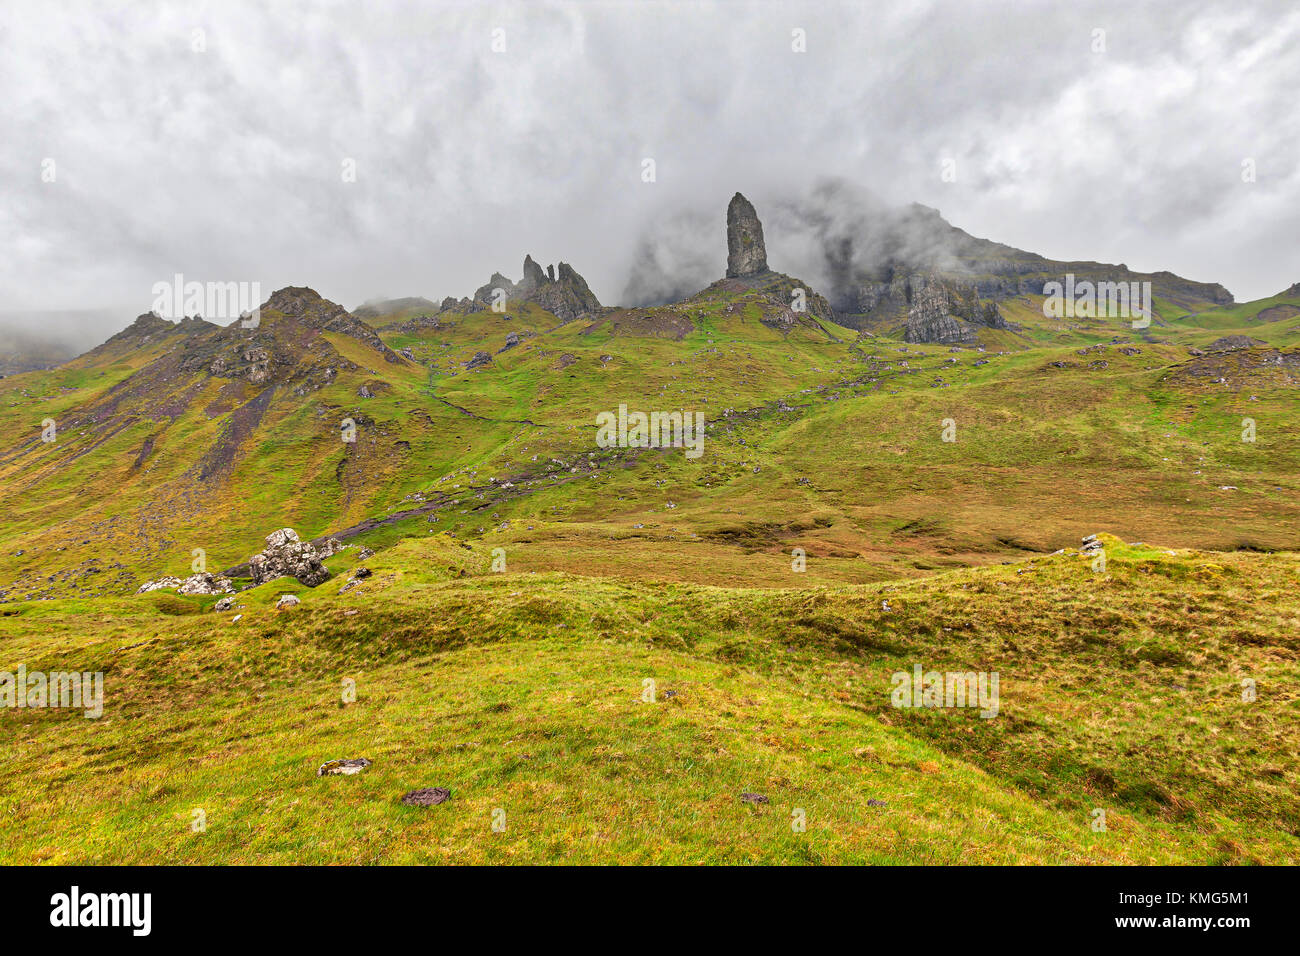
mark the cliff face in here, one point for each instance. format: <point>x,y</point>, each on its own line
<point>948,313</point>
<point>566,295</point>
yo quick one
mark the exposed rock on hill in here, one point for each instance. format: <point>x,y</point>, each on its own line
<point>878,264</point>
<point>747,267</point>
<point>201,583</point>
<point>316,312</point>
<point>560,291</point>
<point>948,313</point>
<point>534,277</point>
<point>1230,343</point>
<point>150,328</point>
<point>487,293</point>
<point>567,296</point>
<point>746,253</point>
<point>286,555</point>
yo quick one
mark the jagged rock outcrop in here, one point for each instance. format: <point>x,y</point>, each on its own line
<point>746,253</point>
<point>566,296</point>
<point>486,294</point>
<point>286,555</point>
<point>534,277</point>
<point>479,360</point>
<point>560,291</point>
<point>315,311</point>
<point>947,313</point>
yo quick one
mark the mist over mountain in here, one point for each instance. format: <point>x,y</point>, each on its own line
<point>42,339</point>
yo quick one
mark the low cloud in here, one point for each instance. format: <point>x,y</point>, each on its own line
<point>226,163</point>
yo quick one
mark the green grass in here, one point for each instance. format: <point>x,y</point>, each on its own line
<point>521,691</point>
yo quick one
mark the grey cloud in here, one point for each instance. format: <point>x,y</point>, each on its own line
<point>225,164</point>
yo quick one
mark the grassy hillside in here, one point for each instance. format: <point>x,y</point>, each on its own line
<point>936,496</point>
<point>523,692</point>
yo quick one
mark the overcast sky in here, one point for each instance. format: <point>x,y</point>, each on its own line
<point>220,155</point>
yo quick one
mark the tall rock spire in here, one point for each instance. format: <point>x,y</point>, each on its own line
<point>746,255</point>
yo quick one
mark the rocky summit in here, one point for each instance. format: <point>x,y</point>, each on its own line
<point>746,253</point>
<point>559,290</point>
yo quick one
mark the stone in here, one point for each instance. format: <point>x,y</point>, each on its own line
<point>427,797</point>
<point>746,253</point>
<point>224,604</point>
<point>362,573</point>
<point>204,583</point>
<point>365,553</point>
<point>156,584</point>
<point>479,360</point>
<point>287,600</point>
<point>287,556</point>
<point>346,766</point>
<point>754,798</point>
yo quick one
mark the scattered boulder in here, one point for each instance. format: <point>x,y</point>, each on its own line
<point>427,797</point>
<point>365,553</point>
<point>204,583</point>
<point>362,573</point>
<point>346,766</point>
<point>479,360</point>
<point>224,604</point>
<point>286,555</point>
<point>157,584</point>
<point>754,798</point>
<point>287,600</point>
<point>329,547</point>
